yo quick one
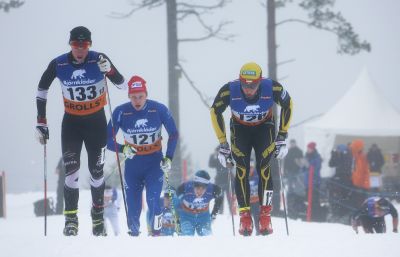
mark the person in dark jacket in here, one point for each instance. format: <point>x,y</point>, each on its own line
<point>375,159</point>
<point>340,184</point>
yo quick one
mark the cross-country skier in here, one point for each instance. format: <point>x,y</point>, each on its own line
<point>82,74</point>
<point>194,201</point>
<point>111,208</point>
<point>169,215</point>
<point>141,121</point>
<point>251,99</point>
<point>371,216</point>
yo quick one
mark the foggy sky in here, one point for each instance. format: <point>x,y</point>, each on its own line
<point>38,32</point>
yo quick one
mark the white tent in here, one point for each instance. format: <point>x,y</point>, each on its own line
<point>362,112</point>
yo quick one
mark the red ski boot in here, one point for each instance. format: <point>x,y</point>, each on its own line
<point>246,223</point>
<point>265,220</point>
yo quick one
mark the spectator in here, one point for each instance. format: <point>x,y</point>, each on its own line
<point>313,181</point>
<point>340,184</point>
<point>292,161</point>
<point>361,174</point>
<point>375,159</point>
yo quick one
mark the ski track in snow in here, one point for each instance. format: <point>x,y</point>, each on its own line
<point>22,235</point>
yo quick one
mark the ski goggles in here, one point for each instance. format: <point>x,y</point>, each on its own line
<point>252,85</point>
<point>80,44</point>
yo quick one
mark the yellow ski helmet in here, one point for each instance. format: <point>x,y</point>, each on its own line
<point>250,72</point>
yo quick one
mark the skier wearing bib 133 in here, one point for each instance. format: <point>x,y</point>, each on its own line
<point>141,121</point>
<point>251,99</point>
<point>82,74</point>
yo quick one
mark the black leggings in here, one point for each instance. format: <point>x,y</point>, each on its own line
<point>243,140</point>
<point>76,130</point>
<point>371,225</point>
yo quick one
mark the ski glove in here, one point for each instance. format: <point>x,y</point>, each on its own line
<point>42,130</point>
<point>129,151</point>
<point>104,64</point>
<point>166,164</point>
<point>280,147</point>
<point>224,153</point>
<point>213,216</point>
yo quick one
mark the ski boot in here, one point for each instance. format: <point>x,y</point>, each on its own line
<point>246,223</point>
<point>71,225</point>
<point>98,228</point>
<point>265,220</point>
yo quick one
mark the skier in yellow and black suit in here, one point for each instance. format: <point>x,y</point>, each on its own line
<point>252,125</point>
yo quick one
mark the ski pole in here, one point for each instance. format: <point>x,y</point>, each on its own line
<point>116,150</point>
<point>230,165</point>
<point>283,196</point>
<point>45,185</point>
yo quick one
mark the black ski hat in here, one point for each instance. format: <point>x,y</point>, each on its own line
<point>80,34</point>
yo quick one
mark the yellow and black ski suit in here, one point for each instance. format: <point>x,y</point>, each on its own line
<point>252,125</point>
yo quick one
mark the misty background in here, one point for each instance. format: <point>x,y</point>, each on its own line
<point>38,31</point>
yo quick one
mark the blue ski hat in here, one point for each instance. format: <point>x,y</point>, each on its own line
<point>201,178</point>
<point>342,148</point>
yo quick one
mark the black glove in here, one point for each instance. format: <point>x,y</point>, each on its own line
<point>42,130</point>
<point>213,216</point>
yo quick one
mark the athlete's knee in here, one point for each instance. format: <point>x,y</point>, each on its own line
<point>96,182</point>
<point>72,180</point>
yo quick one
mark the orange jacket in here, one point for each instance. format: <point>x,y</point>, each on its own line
<point>361,173</point>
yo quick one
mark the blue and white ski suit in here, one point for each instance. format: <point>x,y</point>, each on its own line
<point>142,130</point>
<point>194,214</point>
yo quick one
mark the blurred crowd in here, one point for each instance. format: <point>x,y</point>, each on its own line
<point>357,176</point>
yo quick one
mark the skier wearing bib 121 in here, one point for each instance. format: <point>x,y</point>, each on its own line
<point>252,125</point>
<point>194,197</point>
<point>83,83</point>
<point>141,121</point>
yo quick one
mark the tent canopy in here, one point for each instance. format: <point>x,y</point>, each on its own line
<point>362,112</point>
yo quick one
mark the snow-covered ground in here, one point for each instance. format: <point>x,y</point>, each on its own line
<point>21,234</point>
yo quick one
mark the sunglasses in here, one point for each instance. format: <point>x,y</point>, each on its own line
<point>80,44</point>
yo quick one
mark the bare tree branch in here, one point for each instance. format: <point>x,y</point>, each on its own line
<point>220,4</point>
<point>285,62</point>
<point>203,98</point>
<point>12,4</point>
<point>149,4</point>
<point>292,20</point>
<point>211,32</point>
<point>323,18</point>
